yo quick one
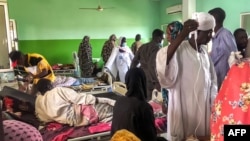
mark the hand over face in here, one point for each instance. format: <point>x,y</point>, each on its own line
<point>190,25</point>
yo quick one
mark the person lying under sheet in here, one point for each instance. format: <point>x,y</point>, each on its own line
<point>66,106</point>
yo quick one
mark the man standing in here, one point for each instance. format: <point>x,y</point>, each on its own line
<point>185,69</point>
<point>137,44</point>
<point>223,44</point>
<point>146,57</point>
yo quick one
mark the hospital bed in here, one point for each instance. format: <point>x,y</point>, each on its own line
<point>19,96</point>
<point>82,133</point>
<point>98,136</point>
<point>87,133</point>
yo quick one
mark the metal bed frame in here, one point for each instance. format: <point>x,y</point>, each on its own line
<point>98,136</point>
<point>65,72</point>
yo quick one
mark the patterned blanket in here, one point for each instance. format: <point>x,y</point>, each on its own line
<point>59,132</point>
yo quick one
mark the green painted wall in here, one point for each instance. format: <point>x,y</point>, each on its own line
<point>60,51</point>
<point>62,19</point>
<point>55,28</point>
<point>231,7</point>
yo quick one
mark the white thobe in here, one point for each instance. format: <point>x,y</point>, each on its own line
<point>192,89</point>
<point>110,64</point>
<point>119,62</point>
<point>123,62</point>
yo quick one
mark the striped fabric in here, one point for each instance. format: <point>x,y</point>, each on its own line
<point>105,112</point>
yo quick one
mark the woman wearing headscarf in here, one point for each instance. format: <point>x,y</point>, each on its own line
<point>108,47</point>
<point>132,112</point>
<point>173,29</point>
<point>85,57</point>
<point>123,59</point>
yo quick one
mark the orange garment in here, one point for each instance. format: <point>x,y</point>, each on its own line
<point>40,63</point>
<point>124,135</point>
<point>232,104</point>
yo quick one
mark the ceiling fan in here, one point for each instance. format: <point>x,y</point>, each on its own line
<point>98,8</point>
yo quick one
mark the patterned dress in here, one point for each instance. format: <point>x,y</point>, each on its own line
<point>106,50</point>
<point>85,57</point>
<point>232,104</point>
<point>135,46</point>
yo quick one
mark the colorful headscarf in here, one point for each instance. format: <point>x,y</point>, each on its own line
<point>174,28</point>
<point>124,135</point>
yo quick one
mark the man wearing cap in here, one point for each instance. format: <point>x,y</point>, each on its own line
<point>35,64</point>
<point>185,69</point>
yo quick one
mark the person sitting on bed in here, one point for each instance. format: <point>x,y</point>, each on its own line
<point>66,106</point>
<point>132,112</point>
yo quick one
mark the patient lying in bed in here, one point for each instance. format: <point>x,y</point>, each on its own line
<point>66,106</point>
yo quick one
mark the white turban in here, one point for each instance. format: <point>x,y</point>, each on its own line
<point>206,21</point>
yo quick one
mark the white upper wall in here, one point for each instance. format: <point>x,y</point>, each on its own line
<point>188,7</point>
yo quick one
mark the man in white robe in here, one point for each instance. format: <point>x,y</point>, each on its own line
<point>120,60</point>
<point>123,59</point>
<point>186,70</point>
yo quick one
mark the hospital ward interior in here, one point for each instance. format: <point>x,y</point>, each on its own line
<point>124,70</point>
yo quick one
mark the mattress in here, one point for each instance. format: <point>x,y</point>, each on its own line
<point>98,131</point>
